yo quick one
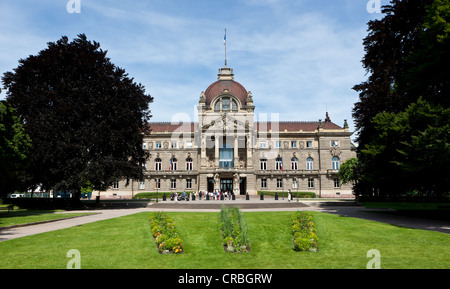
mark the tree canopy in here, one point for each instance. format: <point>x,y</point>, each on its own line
<point>14,149</point>
<point>402,113</point>
<point>85,116</point>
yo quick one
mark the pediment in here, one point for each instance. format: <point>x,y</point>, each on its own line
<point>226,122</point>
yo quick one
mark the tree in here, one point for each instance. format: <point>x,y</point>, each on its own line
<point>85,116</point>
<point>421,135</point>
<point>348,172</point>
<point>407,59</point>
<point>14,149</point>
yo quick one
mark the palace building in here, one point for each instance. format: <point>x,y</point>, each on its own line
<point>227,150</point>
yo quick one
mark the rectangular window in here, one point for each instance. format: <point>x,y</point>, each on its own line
<point>173,183</point>
<point>116,185</point>
<point>174,144</point>
<point>157,183</point>
<point>309,144</point>
<point>263,183</point>
<point>334,143</point>
<point>188,183</point>
<point>279,183</point>
<point>294,183</point>
<point>311,183</point>
<point>189,145</point>
<point>278,144</point>
<point>226,157</point>
<point>262,144</point>
<point>144,146</point>
<point>337,183</point>
<point>293,144</point>
<point>158,144</point>
<point>142,185</point>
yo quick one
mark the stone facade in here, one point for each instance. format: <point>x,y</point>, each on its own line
<point>228,150</point>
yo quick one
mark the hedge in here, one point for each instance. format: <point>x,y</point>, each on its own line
<point>286,193</point>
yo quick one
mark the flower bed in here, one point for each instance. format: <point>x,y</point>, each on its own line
<point>304,232</point>
<point>234,230</point>
<point>166,236</point>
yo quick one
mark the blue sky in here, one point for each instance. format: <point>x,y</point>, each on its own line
<point>298,57</point>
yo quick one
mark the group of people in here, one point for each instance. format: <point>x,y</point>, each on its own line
<point>216,195</point>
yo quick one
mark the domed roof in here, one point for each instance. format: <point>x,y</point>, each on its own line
<point>226,86</point>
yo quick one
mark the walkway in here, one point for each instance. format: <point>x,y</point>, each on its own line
<point>343,208</point>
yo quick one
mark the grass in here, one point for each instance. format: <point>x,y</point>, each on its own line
<point>21,216</point>
<point>127,242</point>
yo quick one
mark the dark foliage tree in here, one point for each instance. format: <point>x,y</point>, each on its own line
<point>407,59</point>
<point>85,116</point>
<point>14,149</point>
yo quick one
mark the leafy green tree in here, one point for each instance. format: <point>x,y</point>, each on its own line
<point>14,149</point>
<point>349,171</point>
<point>85,116</point>
<point>421,135</point>
<point>408,62</point>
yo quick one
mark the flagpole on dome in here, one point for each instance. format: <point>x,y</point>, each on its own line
<point>225,44</point>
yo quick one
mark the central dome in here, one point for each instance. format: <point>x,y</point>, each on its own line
<point>226,84</point>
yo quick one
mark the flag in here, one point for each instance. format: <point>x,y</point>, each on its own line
<point>170,167</point>
<point>281,165</point>
<point>225,38</point>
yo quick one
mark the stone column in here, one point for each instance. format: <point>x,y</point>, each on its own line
<point>236,153</point>
<point>216,151</point>
<point>203,159</point>
<point>249,151</point>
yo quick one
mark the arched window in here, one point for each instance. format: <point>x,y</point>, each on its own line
<point>234,105</point>
<point>335,163</point>
<point>158,164</point>
<point>294,164</point>
<point>263,164</point>
<point>173,164</point>
<point>309,164</point>
<point>226,104</point>
<point>189,164</point>
<point>279,164</point>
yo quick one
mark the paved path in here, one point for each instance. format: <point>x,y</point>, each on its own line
<point>340,208</point>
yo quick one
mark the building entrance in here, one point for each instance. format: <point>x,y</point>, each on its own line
<point>226,185</point>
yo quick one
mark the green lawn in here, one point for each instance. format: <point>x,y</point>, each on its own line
<point>21,216</point>
<point>126,242</point>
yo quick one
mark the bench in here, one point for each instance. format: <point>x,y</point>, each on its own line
<point>9,208</point>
